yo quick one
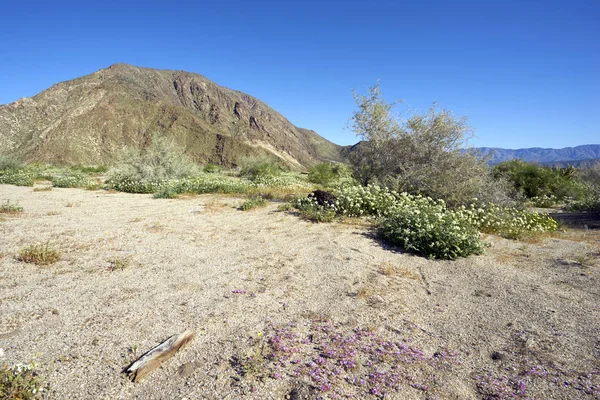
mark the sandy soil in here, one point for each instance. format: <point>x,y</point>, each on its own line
<point>525,313</point>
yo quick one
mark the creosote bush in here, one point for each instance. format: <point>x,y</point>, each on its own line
<point>39,254</point>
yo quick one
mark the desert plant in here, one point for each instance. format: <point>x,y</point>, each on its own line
<point>212,168</point>
<point>39,254</point>
<point>431,230</point>
<point>166,193</point>
<point>10,162</point>
<point>421,154</point>
<point>142,170</point>
<point>329,174</point>
<point>253,203</point>
<point>538,182</point>
<point>254,168</point>
<point>20,382</point>
<point>10,208</point>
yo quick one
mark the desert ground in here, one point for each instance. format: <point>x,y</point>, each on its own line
<point>520,321</point>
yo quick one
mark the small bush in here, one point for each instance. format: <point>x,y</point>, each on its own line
<point>212,168</point>
<point>166,193</point>
<point>9,208</point>
<point>431,231</point>
<point>256,168</point>
<point>19,382</point>
<point>311,210</point>
<point>16,177</point>
<point>508,222</point>
<point>147,170</point>
<point>39,254</point>
<point>90,169</point>
<point>253,203</point>
<point>329,174</point>
<point>70,180</point>
<point>9,162</point>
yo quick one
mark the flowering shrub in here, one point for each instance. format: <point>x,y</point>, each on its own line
<point>70,180</point>
<point>506,221</point>
<point>19,382</point>
<point>544,201</point>
<point>431,230</point>
<point>424,225</point>
<point>18,177</point>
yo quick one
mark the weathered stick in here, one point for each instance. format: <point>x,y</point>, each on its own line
<point>161,353</point>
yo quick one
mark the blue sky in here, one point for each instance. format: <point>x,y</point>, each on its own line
<point>526,73</point>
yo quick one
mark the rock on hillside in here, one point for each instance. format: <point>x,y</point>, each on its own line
<point>89,119</point>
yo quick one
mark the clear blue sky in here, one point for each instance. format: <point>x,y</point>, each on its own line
<point>526,73</point>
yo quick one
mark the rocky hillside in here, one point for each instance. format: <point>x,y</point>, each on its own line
<point>88,120</point>
<point>567,155</point>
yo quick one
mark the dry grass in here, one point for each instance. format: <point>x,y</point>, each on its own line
<point>388,269</point>
<point>42,188</point>
<point>39,254</point>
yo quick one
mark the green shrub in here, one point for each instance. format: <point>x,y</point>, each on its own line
<point>10,162</point>
<point>71,179</point>
<point>431,230</point>
<point>254,168</point>
<point>39,254</point>
<point>147,170</point>
<point>212,168</point>
<point>9,208</point>
<point>17,177</point>
<point>329,174</point>
<point>253,203</point>
<point>166,193</point>
<point>310,210</point>
<point>90,169</point>
<point>19,382</point>
<point>537,181</point>
<point>508,222</point>
<point>420,154</point>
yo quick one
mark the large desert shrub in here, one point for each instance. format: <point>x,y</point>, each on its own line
<point>255,168</point>
<point>142,170</point>
<point>329,174</point>
<point>541,184</point>
<point>419,154</point>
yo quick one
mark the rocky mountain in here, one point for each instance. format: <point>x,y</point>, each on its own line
<point>568,155</point>
<point>88,120</point>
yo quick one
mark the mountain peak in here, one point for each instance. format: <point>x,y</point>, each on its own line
<point>89,119</point>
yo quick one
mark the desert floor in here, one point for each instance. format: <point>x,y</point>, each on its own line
<point>524,318</point>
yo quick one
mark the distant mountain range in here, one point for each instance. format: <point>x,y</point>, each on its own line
<point>585,154</point>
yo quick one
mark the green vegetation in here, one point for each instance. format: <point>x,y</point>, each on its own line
<point>39,254</point>
<point>256,169</point>
<point>9,208</point>
<point>421,154</point>
<point>253,203</point>
<point>145,170</point>
<point>330,174</point>
<point>19,382</point>
<point>424,225</point>
<point>542,186</point>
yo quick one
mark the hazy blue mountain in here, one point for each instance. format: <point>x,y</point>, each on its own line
<point>567,155</point>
